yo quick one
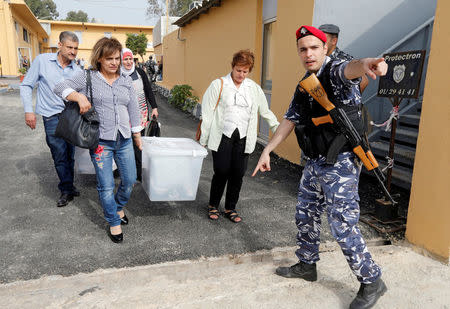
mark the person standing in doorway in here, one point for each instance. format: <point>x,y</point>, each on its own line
<point>47,71</point>
<point>25,63</point>
<point>160,70</point>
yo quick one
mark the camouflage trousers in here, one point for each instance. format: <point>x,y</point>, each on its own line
<point>333,188</point>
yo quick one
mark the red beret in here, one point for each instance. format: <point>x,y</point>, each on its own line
<point>309,30</point>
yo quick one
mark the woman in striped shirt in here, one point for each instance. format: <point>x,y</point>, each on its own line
<point>115,101</point>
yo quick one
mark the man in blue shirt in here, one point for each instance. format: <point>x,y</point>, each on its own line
<point>46,71</point>
<point>329,183</point>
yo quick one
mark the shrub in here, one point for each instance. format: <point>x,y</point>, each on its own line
<point>181,96</point>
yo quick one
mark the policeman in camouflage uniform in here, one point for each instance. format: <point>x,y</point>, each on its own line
<point>329,183</point>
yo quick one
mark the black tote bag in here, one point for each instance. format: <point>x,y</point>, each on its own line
<point>154,128</point>
<point>76,129</point>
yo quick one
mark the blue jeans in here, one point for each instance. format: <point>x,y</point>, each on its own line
<point>122,152</point>
<point>62,154</point>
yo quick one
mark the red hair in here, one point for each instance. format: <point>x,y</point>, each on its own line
<point>243,57</point>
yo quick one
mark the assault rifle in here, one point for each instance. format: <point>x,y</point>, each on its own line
<point>338,116</point>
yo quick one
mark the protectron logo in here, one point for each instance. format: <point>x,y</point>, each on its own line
<point>399,73</point>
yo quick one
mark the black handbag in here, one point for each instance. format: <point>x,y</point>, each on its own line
<point>76,129</point>
<point>153,128</point>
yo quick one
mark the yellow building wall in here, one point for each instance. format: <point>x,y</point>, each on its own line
<point>210,42</point>
<point>92,33</point>
<point>8,49</point>
<point>207,48</point>
<point>158,51</point>
<point>173,61</point>
<point>288,70</point>
<point>429,208</point>
<point>12,39</point>
<point>33,37</point>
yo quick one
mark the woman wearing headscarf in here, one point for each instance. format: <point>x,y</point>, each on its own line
<point>230,109</point>
<point>114,99</point>
<point>145,98</point>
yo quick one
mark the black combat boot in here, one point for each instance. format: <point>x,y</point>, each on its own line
<point>368,295</point>
<point>299,270</point>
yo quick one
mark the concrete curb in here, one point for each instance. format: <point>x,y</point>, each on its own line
<point>238,281</point>
<point>278,253</point>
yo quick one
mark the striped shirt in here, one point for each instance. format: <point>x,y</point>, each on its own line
<point>115,104</point>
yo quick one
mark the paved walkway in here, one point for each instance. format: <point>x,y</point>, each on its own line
<point>9,83</point>
<point>205,264</point>
<point>40,239</point>
<point>242,281</point>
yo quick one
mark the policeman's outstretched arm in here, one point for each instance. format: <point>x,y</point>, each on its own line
<point>282,132</point>
<point>364,83</point>
<point>373,67</point>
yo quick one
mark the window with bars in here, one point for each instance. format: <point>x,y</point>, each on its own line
<point>25,35</point>
<point>268,46</point>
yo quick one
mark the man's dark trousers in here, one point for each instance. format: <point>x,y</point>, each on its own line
<point>62,154</point>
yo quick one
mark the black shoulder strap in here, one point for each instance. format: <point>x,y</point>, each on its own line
<point>89,85</point>
<point>325,79</point>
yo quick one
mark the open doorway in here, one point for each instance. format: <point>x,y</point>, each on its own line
<point>266,76</point>
<point>24,57</point>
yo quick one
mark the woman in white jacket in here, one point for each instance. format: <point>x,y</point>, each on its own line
<point>230,109</point>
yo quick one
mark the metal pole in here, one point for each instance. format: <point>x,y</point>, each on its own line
<point>395,103</point>
<point>167,17</point>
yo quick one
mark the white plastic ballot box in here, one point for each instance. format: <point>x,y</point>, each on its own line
<point>171,168</point>
<point>83,163</point>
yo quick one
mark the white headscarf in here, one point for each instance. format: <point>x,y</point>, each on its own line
<point>126,52</point>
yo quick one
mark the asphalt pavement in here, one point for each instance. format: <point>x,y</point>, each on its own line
<point>173,256</point>
<point>40,239</point>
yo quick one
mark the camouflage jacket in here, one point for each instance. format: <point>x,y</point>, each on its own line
<point>345,91</point>
<point>339,54</point>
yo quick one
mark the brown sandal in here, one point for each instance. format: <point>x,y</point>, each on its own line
<point>213,213</point>
<point>233,216</point>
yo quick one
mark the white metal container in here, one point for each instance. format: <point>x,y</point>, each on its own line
<point>171,168</point>
<point>83,163</point>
